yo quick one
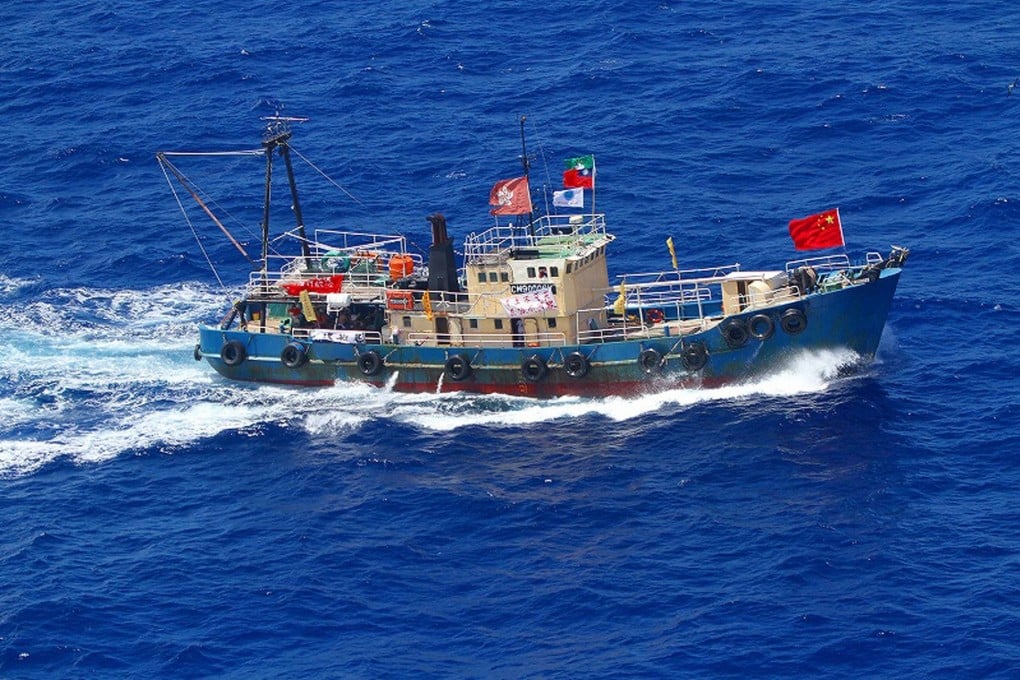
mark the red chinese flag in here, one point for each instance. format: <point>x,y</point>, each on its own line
<point>817,231</point>
<point>510,197</point>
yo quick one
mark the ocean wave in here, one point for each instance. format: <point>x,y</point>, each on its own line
<point>89,401</point>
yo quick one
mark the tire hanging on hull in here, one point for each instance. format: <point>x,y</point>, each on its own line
<point>650,360</point>
<point>534,368</point>
<point>694,356</point>
<point>761,326</point>
<point>576,365</point>
<point>294,355</point>
<point>233,353</point>
<point>458,367</point>
<point>793,321</point>
<point>734,332</point>
<point>369,363</point>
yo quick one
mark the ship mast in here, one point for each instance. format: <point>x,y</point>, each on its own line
<point>527,166</point>
<point>277,137</point>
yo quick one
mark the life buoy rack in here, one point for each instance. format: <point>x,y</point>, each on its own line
<point>197,353</point>
<point>400,300</point>
<point>294,355</point>
<point>650,360</point>
<point>233,353</point>
<point>734,332</point>
<point>576,365</point>
<point>534,368</point>
<point>761,326</point>
<point>793,321</point>
<point>369,363</point>
<point>654,316</point>
<point>458,367</point>
<point>694,356</point>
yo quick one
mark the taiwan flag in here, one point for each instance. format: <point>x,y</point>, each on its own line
<point>510,197</point>
<point>580,173</point>
<point>817,231</point>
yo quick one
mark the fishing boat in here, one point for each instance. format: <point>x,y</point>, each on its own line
<point>530,308</point>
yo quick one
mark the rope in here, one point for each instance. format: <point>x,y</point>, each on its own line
<point>194,232</point>
<point>327,177</point>
<point>249,152</point>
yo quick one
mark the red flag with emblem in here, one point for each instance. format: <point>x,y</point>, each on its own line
<point>814,232</point>
<point>510,197</point>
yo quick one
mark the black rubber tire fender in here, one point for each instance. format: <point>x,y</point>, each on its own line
<point>294,355</point>
<point>761,326</point>
<point>534,368</point>
<point>734,332</point>
<point>793,321</point>
<point>370,363</point>
<point>576,365</point>
<point>458,367</point>
<point>694,356</point>
<point>233,353</point>
<point>650,360</point>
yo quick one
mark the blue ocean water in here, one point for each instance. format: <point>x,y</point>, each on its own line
<point>161,522</point>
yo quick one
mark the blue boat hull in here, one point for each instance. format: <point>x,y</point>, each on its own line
<point>850,318</point>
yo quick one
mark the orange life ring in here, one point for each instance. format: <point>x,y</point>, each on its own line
<point>401,300</point>
<point>654,316</point>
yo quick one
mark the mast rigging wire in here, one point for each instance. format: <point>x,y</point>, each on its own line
<point>194,231</point>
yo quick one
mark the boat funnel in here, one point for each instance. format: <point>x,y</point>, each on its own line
<point>442,265</point>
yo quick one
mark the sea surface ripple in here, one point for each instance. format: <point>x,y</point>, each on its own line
<point>162,522</point>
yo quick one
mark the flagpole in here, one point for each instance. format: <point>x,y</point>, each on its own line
<point>527,167</point>
<point>594,173</point>
<point>842,236</point>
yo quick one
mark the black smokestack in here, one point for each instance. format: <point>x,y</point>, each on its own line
<point>442,266</point>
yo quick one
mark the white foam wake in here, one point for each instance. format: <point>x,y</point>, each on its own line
<point>91,375</point>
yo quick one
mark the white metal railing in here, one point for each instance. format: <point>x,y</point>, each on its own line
<point>703,275</point>
<point>650,295</point>
<point>773,297</point>
<point>821,264</point>
<point>330,239</point>
<point>671,288</point>
<point>561,232</point>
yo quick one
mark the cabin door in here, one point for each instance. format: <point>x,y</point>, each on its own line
<point>517,332</point>
<point>442,330</point>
